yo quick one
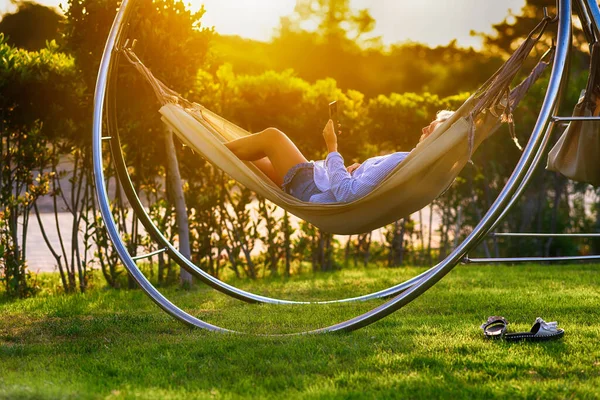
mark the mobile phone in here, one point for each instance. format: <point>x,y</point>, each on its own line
<point>333,115</point>
<point>333,110</point>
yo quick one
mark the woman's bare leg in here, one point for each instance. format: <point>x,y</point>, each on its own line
<point>264,164</point>
<point>273,144</point>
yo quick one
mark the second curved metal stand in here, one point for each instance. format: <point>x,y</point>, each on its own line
<point>409,290</point>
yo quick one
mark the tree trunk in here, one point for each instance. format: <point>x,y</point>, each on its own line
<point>347,251</point>
<point>397,243</point>
<point>559,186</point>
<point>321,253</point>
<point>161,268</point>
<point>430,232</point>
<point>595,241</point>
<point>421,238</point>
<point>175,188</point>
<point>444,235</point>
<point>367,254</point>
<point>458,226</point>
<point>479,216</point>
<point>287,233</point>
<point>488,199</point>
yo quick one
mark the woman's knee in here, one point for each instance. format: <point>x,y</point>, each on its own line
<point>274,135</point>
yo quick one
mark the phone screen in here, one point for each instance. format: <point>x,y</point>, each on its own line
<point>333,115</point>
<point>333,111</point>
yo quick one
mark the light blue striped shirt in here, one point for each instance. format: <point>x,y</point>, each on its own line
<point>339,186</point>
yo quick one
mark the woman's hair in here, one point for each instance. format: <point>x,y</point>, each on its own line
<point>440,117</point>
<point>443,115</point>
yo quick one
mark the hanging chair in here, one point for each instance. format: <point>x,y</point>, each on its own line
<point>427,171</point>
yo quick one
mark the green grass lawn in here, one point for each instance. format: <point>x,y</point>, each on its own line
<point>118,344</point>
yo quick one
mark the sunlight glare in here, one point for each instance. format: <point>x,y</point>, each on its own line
<point>255,19</point>
<point>432,22</point>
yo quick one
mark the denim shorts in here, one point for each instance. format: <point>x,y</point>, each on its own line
<point>299,181</point>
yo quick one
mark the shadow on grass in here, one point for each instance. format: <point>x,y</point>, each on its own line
<point>118,343</point>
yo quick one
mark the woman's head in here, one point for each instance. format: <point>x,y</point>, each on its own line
<point>441,116</point>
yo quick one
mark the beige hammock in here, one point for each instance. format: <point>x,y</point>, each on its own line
<point>427,171</point>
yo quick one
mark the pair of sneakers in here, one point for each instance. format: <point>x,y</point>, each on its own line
<point>495,328</point>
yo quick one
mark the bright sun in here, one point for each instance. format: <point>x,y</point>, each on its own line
<point>256,19</point>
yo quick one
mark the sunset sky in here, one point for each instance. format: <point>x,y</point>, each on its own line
<point>433,22</point>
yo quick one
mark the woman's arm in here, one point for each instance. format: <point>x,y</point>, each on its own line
<point>330,137</point>
<point>344,186</point>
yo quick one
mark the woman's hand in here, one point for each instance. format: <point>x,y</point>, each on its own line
<point>353,168</point>
<point>330,137</point>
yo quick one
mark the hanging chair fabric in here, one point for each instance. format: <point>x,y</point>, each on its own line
<point>577,151</point>
<point>427,171</point>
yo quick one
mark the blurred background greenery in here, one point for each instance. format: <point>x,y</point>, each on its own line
<point>323,50</point>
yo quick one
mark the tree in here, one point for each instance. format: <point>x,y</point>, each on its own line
<point>31,26</point>
<point>509,33</point>
<point>336,21</point>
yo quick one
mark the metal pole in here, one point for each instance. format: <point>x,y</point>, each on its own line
<point>586,22</point>
<point>592,7</point>
<point>544,235</point>
<point>530,259</point>
<point>569,119</point>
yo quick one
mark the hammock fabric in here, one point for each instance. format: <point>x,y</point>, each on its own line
<point>575,154</point>
<point>428,170</point>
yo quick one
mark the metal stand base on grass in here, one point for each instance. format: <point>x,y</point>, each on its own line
<point>406,291</point>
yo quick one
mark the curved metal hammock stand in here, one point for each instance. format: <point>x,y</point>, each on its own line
<point>405,292</point>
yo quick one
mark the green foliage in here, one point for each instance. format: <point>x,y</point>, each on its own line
<point>274,237</point>
<point>395,120</point>
<point>170,41</point>
<point>409,67</point>
<point>27,82</point>
<point>165,31</point>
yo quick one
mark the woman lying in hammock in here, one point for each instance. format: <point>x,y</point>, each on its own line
<point>325,181</point>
